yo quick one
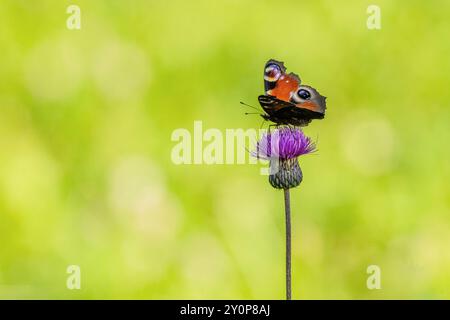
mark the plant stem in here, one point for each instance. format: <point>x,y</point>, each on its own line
<point>287,209</point>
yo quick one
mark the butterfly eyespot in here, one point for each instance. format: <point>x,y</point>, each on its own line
<point>304,94</point>
<point>301,95</point>
<point>272,73</point>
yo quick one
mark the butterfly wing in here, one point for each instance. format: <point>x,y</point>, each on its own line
<point>272,105</point>
<point>286,101</point>
<point>277,82</point>
<point>308,98</point>
<point>273,70</point>
<point>283,112</point>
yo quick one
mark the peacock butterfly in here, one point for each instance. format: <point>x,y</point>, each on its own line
<point>286,101</point>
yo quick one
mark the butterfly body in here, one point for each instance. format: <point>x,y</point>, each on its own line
<point>286,101</point>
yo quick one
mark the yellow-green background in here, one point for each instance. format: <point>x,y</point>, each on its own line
<point>86,176</point>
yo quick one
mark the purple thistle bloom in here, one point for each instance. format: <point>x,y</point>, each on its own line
<point>284,143</point>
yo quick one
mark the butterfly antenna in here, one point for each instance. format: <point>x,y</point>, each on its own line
<point>247,105</point>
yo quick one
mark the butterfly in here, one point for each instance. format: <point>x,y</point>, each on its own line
<point>286,101</point>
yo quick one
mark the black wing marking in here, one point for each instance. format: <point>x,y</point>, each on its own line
<point>283,112</point>
<point>271,105</point>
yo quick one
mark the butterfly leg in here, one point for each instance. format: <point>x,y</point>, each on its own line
<point>271,126</point>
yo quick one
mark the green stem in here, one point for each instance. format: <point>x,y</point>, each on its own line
<point>287,209</point>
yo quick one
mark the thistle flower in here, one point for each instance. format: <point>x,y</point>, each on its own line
<point>282,148</point>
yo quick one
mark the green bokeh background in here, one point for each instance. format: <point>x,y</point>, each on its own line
<point>86,176</point>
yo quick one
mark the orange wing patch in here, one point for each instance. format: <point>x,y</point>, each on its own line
<point>308,105</point>
<point>285,86</point>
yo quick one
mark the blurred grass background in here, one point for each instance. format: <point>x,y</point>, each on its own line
<point>86,176</point>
